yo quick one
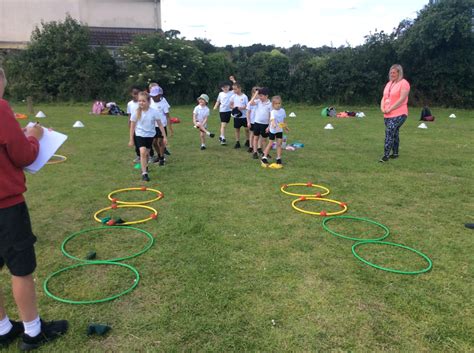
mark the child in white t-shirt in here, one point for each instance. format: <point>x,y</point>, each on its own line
<point>262,119</point>
<point>200,115</point>
<point>132,107</point>
<point>225,111</point>
<point>143,127</point>
<point>238,103</point>
<point>251,120</point>
<point>276,127</point>
<point>159,103</point>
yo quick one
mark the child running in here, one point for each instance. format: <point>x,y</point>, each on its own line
<point>200,116</point>
<point>238,103</point>
<point>159,103</point>
<point>277,124</point>
<point>132,107</point>
<point>251,120</point>
<point>164,103</point>
<point>262,118</point>
<point>223,102</point>
<point>143,126</point>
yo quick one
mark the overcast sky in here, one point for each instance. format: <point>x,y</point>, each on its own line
<point>285,22</point>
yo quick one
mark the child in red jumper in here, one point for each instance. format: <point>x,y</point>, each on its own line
<point>18,149</point>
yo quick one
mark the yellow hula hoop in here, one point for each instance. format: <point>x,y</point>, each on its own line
<point>322,213</point>
<point>159,196</point>
<point>62,159</point>
<point>326,190</point>
<point>114,206</point>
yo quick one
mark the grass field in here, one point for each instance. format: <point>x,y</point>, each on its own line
<point>235,268</point>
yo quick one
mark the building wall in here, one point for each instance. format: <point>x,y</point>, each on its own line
<point>18,18</point>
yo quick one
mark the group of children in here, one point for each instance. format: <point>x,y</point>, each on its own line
<point>261,118</point>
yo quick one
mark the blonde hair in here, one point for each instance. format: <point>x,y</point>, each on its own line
<point>147,99</point>
<point>3,77</point>
<point>276,99</point>
<point>397,67</point>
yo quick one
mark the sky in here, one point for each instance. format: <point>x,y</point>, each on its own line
<point>285,22</point>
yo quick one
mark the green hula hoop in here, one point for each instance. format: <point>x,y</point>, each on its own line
<point>327,219</point>
<point>95,301</point>
<point>430,264</point>
<point>142,251</point>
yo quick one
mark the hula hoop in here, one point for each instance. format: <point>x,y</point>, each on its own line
<point>387,231</point>
<point>74,235</point>
<point>430,264</point>
<point>60,160</point>
<point>95,301</point>
<point>322,213</point>
<point>153,215</point>
<point>113,199</point>
<point>285,186</point>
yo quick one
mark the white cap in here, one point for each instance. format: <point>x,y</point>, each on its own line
<point>329,127</point>
<point>40,115</point>
<point>78,124</point>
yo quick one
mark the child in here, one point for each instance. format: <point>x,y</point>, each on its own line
<point>223,102</point>
<point>132,107</point>
<point>251,120</point>
<point>262,118</point>
<point>158,103</point>
<point>166,123</point>
<point>238,103</point>
<point>200,116</point>
<point>143,125</point>
<point>277,124</point>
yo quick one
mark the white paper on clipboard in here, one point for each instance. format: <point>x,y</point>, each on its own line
<point>48,145</point>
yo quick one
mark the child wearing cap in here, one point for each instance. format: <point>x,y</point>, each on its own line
<point>164,102</point>
<point>251,119</point>
<point>143,125</point>
<point>238,103</point>
<point>225,111</point>
<point>159,103</point>
<point>200,116</point>
<point>132,107</point>
<point>262,118</point>
<point>277,124</point>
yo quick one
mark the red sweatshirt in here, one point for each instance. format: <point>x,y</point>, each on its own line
<point>16,152</point>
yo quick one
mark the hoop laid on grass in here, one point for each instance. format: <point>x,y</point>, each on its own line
<point>311,185</point>
<point>386,234</point>
<point>159,196</point>
<point>94,301</point>
<point>57,158</point>
<point>151,240</point>
<point>114,206</point>
<point>426,258</point>
<point>322,213</point>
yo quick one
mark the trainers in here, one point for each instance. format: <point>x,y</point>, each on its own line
<point>203,147</point>
<point>145,177</point>
<point>264,160</point>
<point>223,142</point>
<point>393,156</point>
<point>237,145</point>
<point>247,143</point>
<point>212,135</point>
<point>49,331</point>
<point>15,332</point>
<point>167,152</point>
<point>162,162</point>
<point>279,161</point>
<point>255,155</point>
<point>383,159</point>
<point>137,159</point>
<point>250,150</point>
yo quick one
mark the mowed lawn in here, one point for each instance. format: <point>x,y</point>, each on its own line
<point>234,267</point>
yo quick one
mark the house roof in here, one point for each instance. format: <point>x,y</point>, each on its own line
<point>115,36</point>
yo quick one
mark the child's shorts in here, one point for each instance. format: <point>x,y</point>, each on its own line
<point>239,122</point>
<point>144,142</point>
<point>260,130</point>
<point>225,116</point>
<point>159,134</point>
<point>252,127</point>
<point>278,135</point>
<point>16,241</point>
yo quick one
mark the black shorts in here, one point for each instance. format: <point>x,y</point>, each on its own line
<point>16,240</point>
<point>225,116</point>
<point>158,132</point>
<point>259,129</point>
<point>278,135</point>
<point>239,122</point>
<point>144,142</point>
<point>252,127</point>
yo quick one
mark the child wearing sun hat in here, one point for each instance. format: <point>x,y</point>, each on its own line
<point>200,115</point>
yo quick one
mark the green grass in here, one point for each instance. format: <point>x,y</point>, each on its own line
<point>235,268</point>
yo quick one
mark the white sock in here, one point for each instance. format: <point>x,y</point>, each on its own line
<point>5,325</point>
<point>223,137</point>
<point>33,328</point>
<point>208,133</point>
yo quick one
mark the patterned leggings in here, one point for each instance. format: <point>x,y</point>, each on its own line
<point>392,139</point>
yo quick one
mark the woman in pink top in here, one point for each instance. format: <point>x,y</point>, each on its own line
<point>395,110</point>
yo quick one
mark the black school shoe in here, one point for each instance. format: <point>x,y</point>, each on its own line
<point>145,177</point>
<point>15,332</point>
<point>255,155</point>
<point>383,159</point>
<point>237,145</point>
<point>279,161</point>
<point>247,143</point>
<point>393,156</point>
<point>49,331</point>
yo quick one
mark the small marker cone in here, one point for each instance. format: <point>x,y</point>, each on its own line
<point>452,116</point>
<point>292,115</point>
<point>422,126</point>
<point>329,127</point>
<point>78,124</point>
<point>40,115</point>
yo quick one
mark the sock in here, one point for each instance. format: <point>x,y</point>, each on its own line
<point>223,137</point>
<point>33,328</point>
<point>208,133</point>
<point>144,173</point>
<point>5,326</point>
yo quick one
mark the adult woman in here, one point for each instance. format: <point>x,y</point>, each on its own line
<point>395,110</point>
